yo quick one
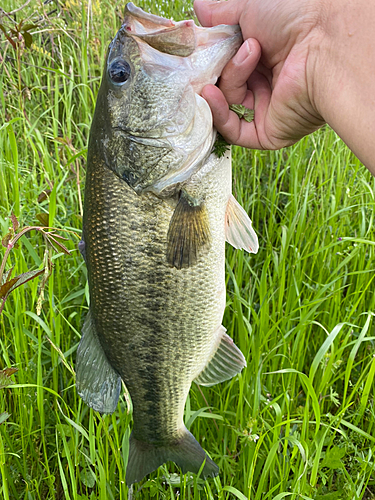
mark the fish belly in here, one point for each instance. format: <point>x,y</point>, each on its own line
<point>156,324</point>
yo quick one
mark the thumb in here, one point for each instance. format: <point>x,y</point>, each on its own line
<point>212,12</point>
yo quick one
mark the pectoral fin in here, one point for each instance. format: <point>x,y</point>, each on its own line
<point>98,384</point>
<point>238,230</point>
<point>188,233</point>
<point>225,362</point>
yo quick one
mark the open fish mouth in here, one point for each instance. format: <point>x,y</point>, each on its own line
<point>208,49</point>
<point>180,38</point>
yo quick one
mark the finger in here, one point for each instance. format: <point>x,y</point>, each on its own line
<point>212,13</point>
<point>267,72</point>
<point>235,131</point>
<point>233,80</point>
<point>217,103</point>
<point>227,122</point>
<point>262,94</point>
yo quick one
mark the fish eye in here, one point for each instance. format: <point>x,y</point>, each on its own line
<point>119,71</point>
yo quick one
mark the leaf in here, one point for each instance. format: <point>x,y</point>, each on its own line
<point>44,195</point>
<point>28,38</point>
<point>3,417</point>
<point>334,495</point>
<point>43,219</point>
<point>7,274</point>
<point>25,277</point>
<point>12,42</point>
<point>15,222</point>
<point>5,241</point>
<point>61,355</point>
<point>55,235</point>
<point>10,371</point>
<point>238,494</point>
<point>333,457</point>
<point>88,477</point>
<point>174,479</point>
<point>29,27</point>
<point>4,289</point>
<point>242,112</point>
<point>17,281</point>
<point>5,375</point>
<point>55,242</point>
<point>220,146</point>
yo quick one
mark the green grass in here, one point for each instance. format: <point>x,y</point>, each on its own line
<point>298,423</point>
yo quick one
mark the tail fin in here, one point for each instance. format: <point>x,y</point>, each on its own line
<point>186,453</point>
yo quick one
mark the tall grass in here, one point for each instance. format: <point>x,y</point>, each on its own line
<point>298,423</point>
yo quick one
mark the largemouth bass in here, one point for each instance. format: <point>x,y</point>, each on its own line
<point>158,210</point>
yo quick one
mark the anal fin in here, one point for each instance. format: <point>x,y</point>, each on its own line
<point>97,383</point>
<point>225,362</point>
<point>238,230</point>
<point>188,233</point>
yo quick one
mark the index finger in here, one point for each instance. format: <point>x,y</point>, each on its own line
<point>233,79</point>
<point>238,131</point>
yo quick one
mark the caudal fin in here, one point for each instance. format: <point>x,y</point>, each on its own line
<point>186,453</point>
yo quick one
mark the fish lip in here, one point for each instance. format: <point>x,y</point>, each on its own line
<point>137,12</point>
<point>215,34</point>
<point>156,31</point>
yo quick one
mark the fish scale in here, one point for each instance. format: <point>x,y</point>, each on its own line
<point>158,209</point>
<point>135,306</point>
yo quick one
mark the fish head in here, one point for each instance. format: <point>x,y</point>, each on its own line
<point>151,124</point>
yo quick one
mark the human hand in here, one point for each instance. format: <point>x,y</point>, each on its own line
<point>273,71</point>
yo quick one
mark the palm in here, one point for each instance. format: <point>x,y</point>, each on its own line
<point>275,84</point>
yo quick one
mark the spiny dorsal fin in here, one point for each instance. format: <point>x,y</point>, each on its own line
<point>226,361</point>
<point>98,384</point>
<point>188,232</point>
<point>238,230</point>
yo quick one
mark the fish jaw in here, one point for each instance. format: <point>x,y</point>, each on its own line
<point>158,106</point>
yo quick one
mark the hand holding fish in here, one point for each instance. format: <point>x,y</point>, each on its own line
<point>274,83</point>
<point>303,63</point>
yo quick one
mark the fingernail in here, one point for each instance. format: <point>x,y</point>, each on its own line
<point>243,53</point>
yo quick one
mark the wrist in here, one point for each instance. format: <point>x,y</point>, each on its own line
<point>340,71</point>
<point>320,60</point>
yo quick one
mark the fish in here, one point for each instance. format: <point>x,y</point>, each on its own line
<point>158,210</point>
